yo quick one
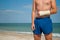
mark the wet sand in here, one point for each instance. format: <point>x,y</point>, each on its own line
<point>19,36</point>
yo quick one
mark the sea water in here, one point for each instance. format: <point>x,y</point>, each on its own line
<point>25,27</point>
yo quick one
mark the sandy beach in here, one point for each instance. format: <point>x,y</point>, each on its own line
<point>19,36</point>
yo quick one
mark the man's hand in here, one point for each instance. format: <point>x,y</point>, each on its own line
<point>33,27</point>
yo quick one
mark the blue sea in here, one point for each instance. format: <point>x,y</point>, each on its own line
<point>25,27</point>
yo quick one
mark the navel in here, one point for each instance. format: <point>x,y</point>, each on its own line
<point>46,3</point>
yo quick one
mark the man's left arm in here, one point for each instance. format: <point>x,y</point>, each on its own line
<point>54,8</point>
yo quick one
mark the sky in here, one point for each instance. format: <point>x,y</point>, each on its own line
<point>19,11</point>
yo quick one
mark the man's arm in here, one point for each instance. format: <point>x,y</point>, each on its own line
<point>33,14</point>
<point>54,8</point>
<point>33,11</point>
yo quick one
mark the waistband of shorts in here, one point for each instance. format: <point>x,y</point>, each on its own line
<point>42,18</point>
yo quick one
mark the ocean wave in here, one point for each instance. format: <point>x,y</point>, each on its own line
<point>54,34</point>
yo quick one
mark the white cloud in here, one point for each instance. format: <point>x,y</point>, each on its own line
<point>11,11</point>
<point>28,6</point>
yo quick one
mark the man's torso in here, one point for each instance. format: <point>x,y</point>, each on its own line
<point>42,5</point>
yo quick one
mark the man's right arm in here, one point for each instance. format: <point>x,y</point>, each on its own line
<point>33,13</point>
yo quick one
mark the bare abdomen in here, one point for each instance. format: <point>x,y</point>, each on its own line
<point>39,8</point>
<point>44,8</point>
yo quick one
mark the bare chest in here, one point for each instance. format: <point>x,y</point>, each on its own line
<point>43,2</point>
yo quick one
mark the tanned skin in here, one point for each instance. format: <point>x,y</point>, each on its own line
<point>42,5</point>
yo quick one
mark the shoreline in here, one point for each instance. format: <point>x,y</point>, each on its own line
<point>10,35</point>
<point>18,32</point>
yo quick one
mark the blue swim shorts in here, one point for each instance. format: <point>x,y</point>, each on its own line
<point>43,25</point>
